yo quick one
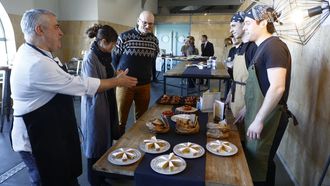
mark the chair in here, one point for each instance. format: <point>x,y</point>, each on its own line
<point>74,66</point>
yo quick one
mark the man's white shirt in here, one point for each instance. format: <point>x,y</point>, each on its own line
<point>35,80</point>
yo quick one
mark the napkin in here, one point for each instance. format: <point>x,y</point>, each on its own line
<point>221,146</point>
<point>123,154</point>
<point>189,148</point>
<point>218,110</point>
<point>170,162</point>
<point>153,143</point>
<point>222,126</point>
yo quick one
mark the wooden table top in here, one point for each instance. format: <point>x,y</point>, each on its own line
<point>219,170</point>
<point>218,72</point>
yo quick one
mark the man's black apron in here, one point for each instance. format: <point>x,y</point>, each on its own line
<point>54,139</point>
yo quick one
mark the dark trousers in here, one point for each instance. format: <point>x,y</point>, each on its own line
<point>94,178</point>
<point>30,163</point>
<point>34,175</point>
<point>270,179</point>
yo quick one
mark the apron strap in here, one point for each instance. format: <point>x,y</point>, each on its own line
<point>233,89</point>
<point>240,83</point>
<point>290,115</point>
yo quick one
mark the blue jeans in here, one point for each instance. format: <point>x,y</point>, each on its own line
<point>32,167</point>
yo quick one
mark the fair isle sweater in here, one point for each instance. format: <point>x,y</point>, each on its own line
<point>137,52</point>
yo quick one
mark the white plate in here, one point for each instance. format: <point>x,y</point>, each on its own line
<point>184,116</point>
<point>190,155</point>
<point>154,165</point>
<point>180,109</point>
<point>234,149</point>
<point>154,151</point>
<point>116,161</point>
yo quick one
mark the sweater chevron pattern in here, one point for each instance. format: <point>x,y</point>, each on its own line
<point>137,52</point>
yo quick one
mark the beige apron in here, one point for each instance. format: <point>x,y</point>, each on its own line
<point>240,74</point>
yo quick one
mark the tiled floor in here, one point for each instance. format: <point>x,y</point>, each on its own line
<point>14,173</point>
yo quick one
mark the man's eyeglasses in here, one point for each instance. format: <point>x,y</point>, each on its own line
<point>145,23</point>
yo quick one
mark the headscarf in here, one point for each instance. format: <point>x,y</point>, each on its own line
<point>262,12</point>
<point>238,17</point>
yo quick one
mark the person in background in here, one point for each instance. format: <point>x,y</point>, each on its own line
<point>267,90</point>
<point>191,50</point>
<point>228,42</point>
<point>189,47</point>
<point>137,50</point>
<point>44,129</point>
<point>187,50</point>
<point>99,115</point>
<point>184,47</point>
<point>207,48</point>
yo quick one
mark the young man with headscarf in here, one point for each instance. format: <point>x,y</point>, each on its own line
<point>244,54</point>
<point>267,90</point>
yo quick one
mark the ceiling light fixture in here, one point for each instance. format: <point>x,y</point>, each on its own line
<point>300,19</point>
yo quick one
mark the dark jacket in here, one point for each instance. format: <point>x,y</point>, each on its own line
<point>207,50</point>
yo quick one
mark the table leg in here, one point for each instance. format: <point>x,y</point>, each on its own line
<point>163,65</point>
<point>164,84</point>
<point>199,88</point>
<point>187,85</point>
<point>219,85</point>
<point>181,86</point>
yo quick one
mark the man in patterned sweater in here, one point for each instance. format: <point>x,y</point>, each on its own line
<point>136,50</point>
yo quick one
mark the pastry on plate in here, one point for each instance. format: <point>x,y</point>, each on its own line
<point>188,148</point>
<point>169,162</point>
<point>154,144</point>
<point>124,155</point>
<point>158,125</point>
<point>187,125</point>
<point>221,146</point>
<point>168,113</point>
<point>219,130</point>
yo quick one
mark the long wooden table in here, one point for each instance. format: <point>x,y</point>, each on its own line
<point>219,73</point>
<point>219,170</point>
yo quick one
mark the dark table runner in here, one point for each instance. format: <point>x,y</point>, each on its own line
<point>196,72</point>
<point>194,174</point>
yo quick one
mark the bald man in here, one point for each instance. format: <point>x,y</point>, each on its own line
<point>136,50</point>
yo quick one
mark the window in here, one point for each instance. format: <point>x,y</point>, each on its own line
<point>7,38</point>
